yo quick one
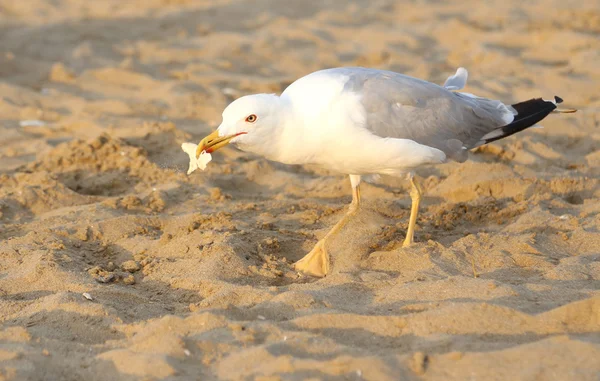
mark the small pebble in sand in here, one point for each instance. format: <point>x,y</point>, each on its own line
<point>229,91</point>
<point>187,352</point>
<point>129,280</point>
<point>260,317</point>
<point>109,277</point>
<point>111,266</point>
<point>32,123</point>
<point>100,275</point>
<point>130,266</point>
<point>87,296</point>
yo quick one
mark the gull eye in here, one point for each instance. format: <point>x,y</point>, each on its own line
<point>251,118</point>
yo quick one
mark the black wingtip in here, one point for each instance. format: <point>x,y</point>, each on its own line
<point>558,99</point>
<point>528,113</point>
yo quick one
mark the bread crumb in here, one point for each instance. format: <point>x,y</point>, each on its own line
<point>195,163</point>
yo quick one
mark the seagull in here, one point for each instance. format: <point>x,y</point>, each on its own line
<point>361,121</point>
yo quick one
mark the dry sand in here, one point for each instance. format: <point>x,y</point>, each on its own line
<point>190,277</point>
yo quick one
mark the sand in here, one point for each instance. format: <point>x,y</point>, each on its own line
<point>190,277</point>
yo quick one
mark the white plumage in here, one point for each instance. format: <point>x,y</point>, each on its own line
<point>361,121</point>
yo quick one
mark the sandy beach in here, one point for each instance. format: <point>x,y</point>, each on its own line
<point>116,265</point>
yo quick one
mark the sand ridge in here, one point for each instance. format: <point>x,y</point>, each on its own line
<point>190,277</point>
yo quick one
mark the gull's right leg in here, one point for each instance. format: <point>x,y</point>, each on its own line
<point>316,262</point>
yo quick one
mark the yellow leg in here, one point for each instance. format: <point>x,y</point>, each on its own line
<point>415,195</point>
<point>316,263</point>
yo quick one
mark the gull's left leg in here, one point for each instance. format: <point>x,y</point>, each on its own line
<point>316,262</point>
<point>415,194</point>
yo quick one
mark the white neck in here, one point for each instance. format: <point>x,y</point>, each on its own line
<point>287,134</point>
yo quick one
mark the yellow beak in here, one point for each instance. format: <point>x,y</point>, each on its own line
<point>213,142</point>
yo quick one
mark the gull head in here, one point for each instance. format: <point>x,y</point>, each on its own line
<point>249,122</point>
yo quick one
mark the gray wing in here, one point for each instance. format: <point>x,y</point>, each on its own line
<point>399,106</point>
